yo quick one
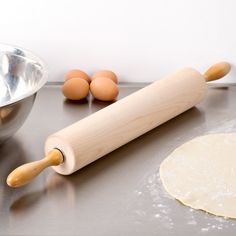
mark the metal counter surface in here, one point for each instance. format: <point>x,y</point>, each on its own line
<point>119,194</point>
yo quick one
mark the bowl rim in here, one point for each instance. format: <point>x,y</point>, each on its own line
<point>32,56</point>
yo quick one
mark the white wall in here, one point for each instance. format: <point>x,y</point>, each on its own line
<point>141,40</point>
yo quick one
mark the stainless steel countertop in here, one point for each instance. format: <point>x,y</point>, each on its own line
<point>120,194</point>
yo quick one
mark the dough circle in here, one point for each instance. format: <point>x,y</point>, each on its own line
<point>202,174</point>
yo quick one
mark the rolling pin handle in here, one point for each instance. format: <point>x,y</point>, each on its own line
<point>217,71</point>
<point>25,173</point>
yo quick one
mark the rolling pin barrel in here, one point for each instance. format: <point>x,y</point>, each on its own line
<point>125,120</point>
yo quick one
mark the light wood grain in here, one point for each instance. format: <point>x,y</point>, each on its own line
<point>104,131</point>
<point>25,173</point>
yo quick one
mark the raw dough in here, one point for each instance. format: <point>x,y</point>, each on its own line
<point>202,174</point>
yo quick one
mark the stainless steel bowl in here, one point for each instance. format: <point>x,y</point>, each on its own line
<point>22,74</point>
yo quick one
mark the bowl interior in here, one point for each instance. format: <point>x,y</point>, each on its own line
<point>21,74</point>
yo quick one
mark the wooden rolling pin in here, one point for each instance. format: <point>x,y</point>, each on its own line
<point>85,141</point>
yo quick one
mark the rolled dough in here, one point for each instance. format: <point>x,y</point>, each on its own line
<point>202,174</point>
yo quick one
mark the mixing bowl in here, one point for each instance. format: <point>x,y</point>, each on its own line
<point>22,74</point>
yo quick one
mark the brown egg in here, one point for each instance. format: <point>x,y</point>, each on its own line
<point>107,74</point>
<point>104,89</point>
<point>77,74</point>
<point>75,89</point>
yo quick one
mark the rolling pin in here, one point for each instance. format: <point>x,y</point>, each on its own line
<point>83,142</point>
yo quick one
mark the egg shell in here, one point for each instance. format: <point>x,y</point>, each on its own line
<point>107,74</point>
<point>75,89</point>
<point>104,89</point>
<point>77,74</point>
